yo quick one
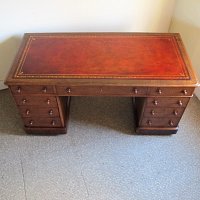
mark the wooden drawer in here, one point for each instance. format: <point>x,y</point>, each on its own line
<point>159,122</point>
<point>101,91</point>
<point>28,89</point>
<point>35,100</point>
<point>165,91</point>
<point>163,112</point>
<point>167,102</point>
<point>35,111</point>
<point>42,122</point>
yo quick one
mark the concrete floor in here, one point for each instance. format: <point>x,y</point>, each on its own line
<point>100,158</point>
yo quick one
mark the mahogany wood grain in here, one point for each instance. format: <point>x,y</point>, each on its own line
<point>35,111</point>
<point>46,131</point>
<point>159,122</point>
<point>101,91</point>
<point>44,101</point>
<point>156,130</point>
<point>42,122</point>
<point>167,102</point>
<point>163,112</point>
<point>26,89</point>
<point>166,91</point>
<point>152,67</point>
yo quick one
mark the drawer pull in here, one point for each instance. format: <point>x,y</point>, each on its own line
<point>68,90</point>
<point>135,90</point>
<point>19,90</point>
<point>175,112</point>
<point>27,112</point>
<point>51,112</point>
<point>180,103</point>
<point>53,122</point>
<point>153,112</point>
<point>24,101</point>
<point>31,122</point>
<point>149,122</point>
<point>48,101</point>
<point>171,123</point>
<point>44,90</point>
<point>155,102</point>
<point>185,92</point>
<point>159,91</point>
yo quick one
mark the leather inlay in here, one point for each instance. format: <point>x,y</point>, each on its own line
<point>102,56</point>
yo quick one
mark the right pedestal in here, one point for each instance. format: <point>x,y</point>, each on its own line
<point>159,115</point>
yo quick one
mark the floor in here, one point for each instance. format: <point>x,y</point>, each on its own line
<point>100,158</point>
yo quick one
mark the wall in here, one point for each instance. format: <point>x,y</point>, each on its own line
<point>22,16</point>
<point>186,20</point>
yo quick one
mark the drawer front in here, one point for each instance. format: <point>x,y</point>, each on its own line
<point>35,100</point>
<point>164,91</point>
<point>159,122</point>
<point>101,91</point>
<point>35,111</point>
<point>27,89</point>
<point>163,112</point>
<point>167,102</point>
<point>42,122</point>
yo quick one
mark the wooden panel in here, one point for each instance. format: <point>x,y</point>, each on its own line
<point>106,55</point>
<point>64,108</point>
<point>45,130</point>
<point>166,91</point>
<point>163,112</point>
<point>156,130</point>
<point>167,102</point>
<point>32,89</point>
<point>42,122</point>
<point>139,106</point>
<point>159,122</point>
<point>98,90</point>
<point>48,101</point>
<point>34,111</point>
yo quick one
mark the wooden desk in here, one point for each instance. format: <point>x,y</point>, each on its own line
<point>51,67</point>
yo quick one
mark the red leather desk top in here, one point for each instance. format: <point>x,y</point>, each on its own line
<point>122,56</point>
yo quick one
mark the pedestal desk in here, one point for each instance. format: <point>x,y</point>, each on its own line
<point>152,68</point>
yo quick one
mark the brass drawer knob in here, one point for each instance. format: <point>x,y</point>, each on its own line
<point>19,90</point>
<point>171,123</point>
<point>135,90</point>
<point>44,90</point>
<point>48,101</point>
<point>180,103</point>
<point>159,91</point>
<point>149,122</point>
<point>31,122</point>
<point>68,90</point>
<point>175,112</point>
<point>24,101</point>
<point>51,112</point>
<point>185,92</point>
<point>53,122</point>
<point>153,112</point>
<point>155,102</point>
<point>27,112</point>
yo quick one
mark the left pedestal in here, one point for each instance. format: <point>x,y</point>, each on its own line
<point>41,110</point>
